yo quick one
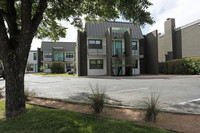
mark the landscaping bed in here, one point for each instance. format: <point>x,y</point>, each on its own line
<point>170,121</point>
<point>38,119</point>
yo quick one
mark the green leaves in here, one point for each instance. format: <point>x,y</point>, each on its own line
<point>73,11</point>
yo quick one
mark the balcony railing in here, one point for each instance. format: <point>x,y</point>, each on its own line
<point>69,59</point>
<point>47,59</point>
<point>101,51</point>
<point>121,51</point>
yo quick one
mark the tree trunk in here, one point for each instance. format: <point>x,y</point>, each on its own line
<point>15,63</point>
<point>15,102</point>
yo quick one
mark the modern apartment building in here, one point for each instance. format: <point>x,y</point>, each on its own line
<point>32,64</point>
<point>109,48</point>
<point>174,43</point>
<point>58,52</point>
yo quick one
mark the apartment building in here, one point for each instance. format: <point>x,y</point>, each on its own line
<point>174,43</point>
<point>109,48</point>
<point>58,52</point>
<point>32,64</point>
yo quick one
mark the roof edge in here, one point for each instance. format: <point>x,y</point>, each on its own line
<point>187,25</point>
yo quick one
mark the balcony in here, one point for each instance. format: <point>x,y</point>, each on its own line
<point>69,59</point>
<point>47,59</point>
<point>98,51</point>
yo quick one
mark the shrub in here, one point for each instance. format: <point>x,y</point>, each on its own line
<point>97,99</point>
<point>181,66</point>
<point>151,107</point>
<point>1,88</point>
<point>58,67</point>
<point>43,68</point>
<point>28,93</point>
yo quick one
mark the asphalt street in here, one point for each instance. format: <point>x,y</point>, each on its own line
<point>175,94</point>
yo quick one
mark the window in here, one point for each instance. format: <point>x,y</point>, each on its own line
<point>69,55</point>
<point>29,67</point>
<point>69,65</point>
<point>134,45</point>
<point>47,55</point>
<point>34,56</point>
<point>96,64</point>
<point>47,66</point>
<point>135,64</point>
<point>58,56</point>
<point>95,44</point>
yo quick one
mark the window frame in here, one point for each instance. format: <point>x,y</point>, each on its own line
<point>34,56</point>
<point>136,66</point>
<point>96,65</point>
<point>95,45</point>
<point>134,47</point>
<point>71,55</point>
<point>48,54</point>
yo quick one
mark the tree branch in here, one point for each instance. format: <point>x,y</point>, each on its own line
<point>12,18</point>
<point>3,37</point>
<point>38,15</point>
<point>26,8</point>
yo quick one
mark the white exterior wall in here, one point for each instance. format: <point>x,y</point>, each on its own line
<point>97,71</point>
<point>136,71</point>
<point>32,61</point>
<point>103,71</point>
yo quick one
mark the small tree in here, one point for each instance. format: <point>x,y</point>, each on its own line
<point>43,69</point>
<point>28,66</point>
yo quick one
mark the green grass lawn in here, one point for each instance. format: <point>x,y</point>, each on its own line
<point>51,74</point>
<point>44,120</point>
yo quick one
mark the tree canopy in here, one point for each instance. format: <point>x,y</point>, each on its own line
<point>53,11</point>
<point>22,20</point>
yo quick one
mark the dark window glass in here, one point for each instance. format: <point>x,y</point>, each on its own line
<point>134,45</point>
<point>69,65</point>
<point>47,55</point>
<point>34,56</point>
<point>95,44</point>
<point>96,64</point>
<point>69,55</point>
<point>30,67</point>
<point>135,64</point>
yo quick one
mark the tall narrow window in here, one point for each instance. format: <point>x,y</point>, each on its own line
<point>34,56</point>
<point>135,64</point>
<point>95,44</point>
<point>134,45</point>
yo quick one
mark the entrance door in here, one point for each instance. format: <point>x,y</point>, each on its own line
<point>116,47</point>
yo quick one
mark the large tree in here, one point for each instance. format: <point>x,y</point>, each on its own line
<point>22,20</point>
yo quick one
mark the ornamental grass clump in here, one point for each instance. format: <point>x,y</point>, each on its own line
<point>152,107</point>
<point>28,93</point>
<point>97,99</point>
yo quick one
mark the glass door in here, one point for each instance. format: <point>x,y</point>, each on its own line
<point>116,47</point>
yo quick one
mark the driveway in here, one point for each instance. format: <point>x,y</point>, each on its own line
<point>177,93</point>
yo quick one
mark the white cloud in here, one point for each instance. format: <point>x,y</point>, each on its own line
<point>184,12</point>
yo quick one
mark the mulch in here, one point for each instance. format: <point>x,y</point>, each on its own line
<point>170,121</point>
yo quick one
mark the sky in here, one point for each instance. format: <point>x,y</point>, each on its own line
<point>184,12</point>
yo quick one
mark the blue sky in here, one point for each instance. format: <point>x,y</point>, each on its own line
<point>184,12</point>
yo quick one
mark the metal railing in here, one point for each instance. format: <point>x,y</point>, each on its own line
<point>97,51</point>
<point>47,59</point>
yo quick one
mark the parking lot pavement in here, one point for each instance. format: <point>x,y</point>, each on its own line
<point>176,94</point>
